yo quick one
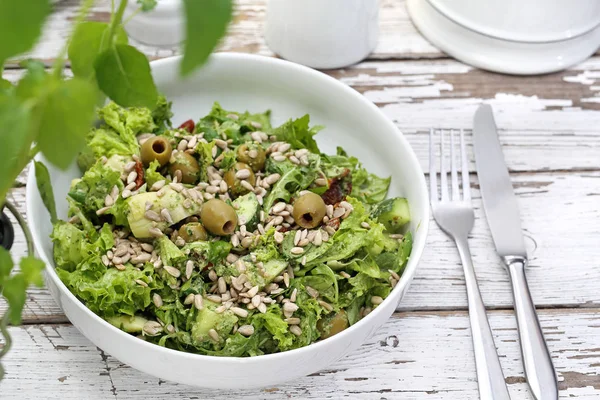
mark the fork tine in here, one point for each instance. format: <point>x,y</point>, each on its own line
<point>433,190</point>
<point>464,170</point>
<point>453,171</point>
<point>443,173</point>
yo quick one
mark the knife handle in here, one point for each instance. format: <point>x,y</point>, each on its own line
<point>537,361</point>
<point>490,378</point>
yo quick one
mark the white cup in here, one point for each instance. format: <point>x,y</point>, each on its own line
<point>322,33</point>
<point>162,26</point>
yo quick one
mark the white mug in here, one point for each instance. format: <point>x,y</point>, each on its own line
<point>322,33</point>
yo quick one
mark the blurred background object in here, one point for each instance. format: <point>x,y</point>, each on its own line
<point>503,36</point>
<point>161,26</point>
<point>322,34</point>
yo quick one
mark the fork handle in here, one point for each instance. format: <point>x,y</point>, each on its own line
<point>536,357</point>
<point>490,378</point>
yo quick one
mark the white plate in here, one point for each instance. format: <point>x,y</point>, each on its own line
<point>255,83</point>
<point>494,54</point>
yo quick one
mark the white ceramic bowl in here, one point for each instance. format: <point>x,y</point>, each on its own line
<point>241,82</point>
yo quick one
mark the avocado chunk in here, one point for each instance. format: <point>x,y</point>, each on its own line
<point>272,268</point>
<point>208,319</point>
<point>247,207</point>
<point>392,213</point>
<point>170,200</point>
<point>128,323</point>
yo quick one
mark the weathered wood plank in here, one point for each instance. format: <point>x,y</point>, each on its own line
<point>398,39</point>
<point>424,355</point>
<point>560,214</point>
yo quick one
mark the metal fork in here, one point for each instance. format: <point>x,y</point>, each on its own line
<point>454,214</point>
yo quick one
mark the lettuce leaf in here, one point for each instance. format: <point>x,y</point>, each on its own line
<point>233,125</point>
<point>152,175</point>
<point>298,133</point>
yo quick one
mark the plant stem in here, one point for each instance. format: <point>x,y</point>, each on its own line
<point>34,150</point>
<point>23,225</point>
<point>60,60</point>
<point>7,340</point>
<point>116,19</point>
<point>133,14</point>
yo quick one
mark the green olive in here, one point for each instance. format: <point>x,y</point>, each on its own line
<point>218,217</point>
<point>187,164</point>
<point>309,210</point>
<point>332,325</point>
<point>252,154</point>
<point>156,148</point>
<point>235,187</point>
<point>193,232</point>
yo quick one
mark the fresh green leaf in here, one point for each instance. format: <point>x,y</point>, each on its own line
<point>14,292</point>
<point>35,82</point>
<point>147,5</point>
<point>31,268</point>
<point>6,264</point>
<point>298,133</point>
<point>206,22</point>
<point>162,115</point>
<point>123,74</point>
<point>65,114</point>
<point>89,40</point>
<point>42,178</point>
<point>20,25</point>
<point>5,86</point>
<point>15,121</point>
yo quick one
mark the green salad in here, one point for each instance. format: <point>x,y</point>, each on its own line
<point>226,236</point>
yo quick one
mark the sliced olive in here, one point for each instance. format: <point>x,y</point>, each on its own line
<point>187,164</point>
<point>309,210</point>
<point>332,324</point>
<point>156,148</point>
<point>231,177</point>
<point>218,217</point>
<point>193,232</point>
<point>252,154</point>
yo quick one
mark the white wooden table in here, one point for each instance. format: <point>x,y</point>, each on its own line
<point>549,129</point>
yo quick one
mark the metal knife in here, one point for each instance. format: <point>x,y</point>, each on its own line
<point>503,217</point>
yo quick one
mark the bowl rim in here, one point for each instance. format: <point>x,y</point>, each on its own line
<point>405,278</point>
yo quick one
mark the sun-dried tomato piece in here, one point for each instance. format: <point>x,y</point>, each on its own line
<point>334,223</point>
<point>139,169</point>
<point>339,188</point>
<point>188,125</point>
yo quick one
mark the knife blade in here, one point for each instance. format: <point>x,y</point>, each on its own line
<point>502,212</point>
<point>501,208</point>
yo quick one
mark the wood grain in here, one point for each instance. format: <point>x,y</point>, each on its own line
<point>414,355</point>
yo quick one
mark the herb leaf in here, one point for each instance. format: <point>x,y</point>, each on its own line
<point>206,23</point>
<point>31,268</point>
<point>6,264</point>
<point>14,120</point>
<point>123,74</point>
<point>147,5</point>
<point>44,185</point>
<point>90,39</point>
<point>14,292</point>
<point>20,25</point>
<point>65,115</point>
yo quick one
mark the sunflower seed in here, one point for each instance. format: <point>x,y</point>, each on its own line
<point>102,210</point>
<point>296,330</point>
<point>240,312</point>
<point>147,247</point>
<point>345,274</point>
<point>158,185</point>
<point>182,145</point>
<point>278,237</point>
<point>246,185</point>
<point>318,239</point>
<point>273,178</point>
<point>158,264</point>
<point>262,307</point>
<point>290,307</point>
<point>286,279</point>
<point>108,200</point>
<point>105,260</point>
<point>282,148</point>
<point>277,208</point>
<point>198,301</point>
<point>297,237</point>
<point>172,271</point>
<point>240,265</point>
<point>394,282</point>
<point>166,216</point>
<point>221,309</point>
<point>235,240</point>
<point>312,292</point>
<point>131,177</point>
<point>152,328</point>
<point>189,268</point>
<point>278,158</point>
<point>223,187</point>
<point>129,166</point>
<point>120,267</point>
<point>214,335</point>
<point>221,144</point>
<point>326,305</point>
<point>256,136</point>
<point>292,321</point>
<point>214,298</point>
<point>295,160</point>
<point>247,241</point>
<point>394,274</point>
<point>121,250</point>
<point>142,258</point>
<point>125,258</point>
<point>376,300</point>
<point>152,216</point>
<point>222,285</point>
<point>253,291</point>
<point>192,143</point>
<point>246,330</point>
<point>157,300</point>
<point>303,261</point>
<point>338,212</point>
<point>294,295</point>
<point>178,176</point>
<point>242,174</point>
<point>303,242</point>
<point>161,193</point>
<point>178,187</point>
<point>256,300</point>
<point>321,182</point>
<point>297,250</point>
